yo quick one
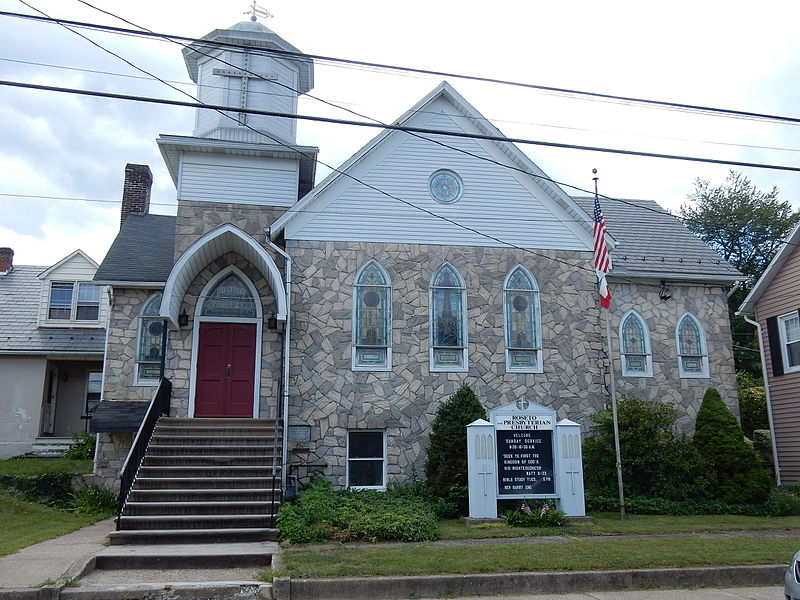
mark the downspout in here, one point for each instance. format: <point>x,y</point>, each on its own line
<point>285,366</point>
<point>769,400</point>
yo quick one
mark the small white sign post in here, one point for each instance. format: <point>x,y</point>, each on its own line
<point>523,453</point>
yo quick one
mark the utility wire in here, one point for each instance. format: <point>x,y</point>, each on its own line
<point>301,55</point>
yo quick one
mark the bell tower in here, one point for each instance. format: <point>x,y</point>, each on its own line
<point>234,67</point>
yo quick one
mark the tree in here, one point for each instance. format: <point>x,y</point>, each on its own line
<point>736,473</point>
<point>746,227</point>
<point>446,462</point>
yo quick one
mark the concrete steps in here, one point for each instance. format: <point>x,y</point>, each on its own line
<point>203,498</point>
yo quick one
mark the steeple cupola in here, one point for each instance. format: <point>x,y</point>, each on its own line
<point>250,78</point>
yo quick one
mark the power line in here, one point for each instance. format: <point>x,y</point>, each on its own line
<point>303,56</point>
<point>457,134</point>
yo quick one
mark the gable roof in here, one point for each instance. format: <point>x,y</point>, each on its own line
<point>653,243</point>
<point>65,260</point>
<point>443,90</point>
<point>748,307</point>
<point>20,296</point>
<point>142,253</point>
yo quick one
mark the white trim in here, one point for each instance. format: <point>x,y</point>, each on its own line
<point>347,460</point>
<point>464,368</point>
<point>703,348</point>
<point>130,284</point>
<point>68,257</point>
<point>190,264</point>
<point>648,350</point>
<point>354,321</point>
<point>72,322</point>
<point>258,321</point>
<point>537,309</point>
<point>787,368</point>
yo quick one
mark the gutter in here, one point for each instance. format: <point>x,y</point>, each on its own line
<point>769,400</point>
<point>286,339</point>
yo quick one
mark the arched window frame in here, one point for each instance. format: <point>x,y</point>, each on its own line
<point>450,358</point>
<point>628,356</point>
<point>372,357</point>
<point>685,357</point>
<point>142,367</point>
<point>519,359</point>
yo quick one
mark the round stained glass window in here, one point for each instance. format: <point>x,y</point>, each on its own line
<point>445,186</point>
<point>520,303</point>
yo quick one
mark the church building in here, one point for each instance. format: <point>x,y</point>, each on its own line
<point>346,311</point>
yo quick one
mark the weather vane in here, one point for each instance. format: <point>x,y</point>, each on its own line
<point>257,11</point>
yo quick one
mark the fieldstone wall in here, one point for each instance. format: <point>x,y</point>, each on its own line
<point>112,450</point>
<point>331,398</point>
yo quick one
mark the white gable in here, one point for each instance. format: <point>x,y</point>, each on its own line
<point>500,202</point>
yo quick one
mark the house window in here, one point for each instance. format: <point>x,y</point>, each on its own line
<point>60,300</point>
<point>637,359</point>
<point>692,354</point>
<point>366,464</point>
<point>790,341</point>
<point>372,319</point>
<point>448,327</point>
<point>94,387</point>
<point>149,339</point>
<point>522,318</point>
<point>88,306</point>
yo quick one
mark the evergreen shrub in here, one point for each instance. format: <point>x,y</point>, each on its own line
<point>446,462</point>
<point>655,460</point>
<point>734,470</point>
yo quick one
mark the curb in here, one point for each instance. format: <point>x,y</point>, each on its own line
<point>432,586</point>
<point>176,591</point>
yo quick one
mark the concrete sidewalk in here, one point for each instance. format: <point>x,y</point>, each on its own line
<point>51,560</point>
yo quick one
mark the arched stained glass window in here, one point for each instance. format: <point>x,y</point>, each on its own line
<point>372,319</point>
<point>448,328</point>
<point>691,342</point>
<point>149,342</point>
<point>522,321</point>
<point>637,359</point>
<point>231,297</point>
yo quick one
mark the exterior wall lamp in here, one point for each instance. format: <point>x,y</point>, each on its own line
<point>664,293</point>
<point>183,319</point>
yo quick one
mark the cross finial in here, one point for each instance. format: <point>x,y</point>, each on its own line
<point>256,11</point>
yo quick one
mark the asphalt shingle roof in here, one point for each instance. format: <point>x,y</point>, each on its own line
<point>142,251</point>
<point>650,240</point>
<point>20,292</point>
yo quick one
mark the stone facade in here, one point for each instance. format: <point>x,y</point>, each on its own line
<point>331,398</point>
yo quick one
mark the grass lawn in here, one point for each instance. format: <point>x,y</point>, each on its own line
<point>423,559</point>
<point>25,523</point>
<point>29,467</point>
<point>609,524</point>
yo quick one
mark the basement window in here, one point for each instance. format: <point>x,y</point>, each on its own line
<point>366,460</point>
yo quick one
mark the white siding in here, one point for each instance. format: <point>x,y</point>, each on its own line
<point>238,180</point>
<point>76,269</point>
<point>497,201</point>
<point>211,90</point>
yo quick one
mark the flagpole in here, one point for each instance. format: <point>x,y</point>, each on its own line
<point>602,265</point>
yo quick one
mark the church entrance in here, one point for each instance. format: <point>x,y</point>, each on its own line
<point>227,339</point>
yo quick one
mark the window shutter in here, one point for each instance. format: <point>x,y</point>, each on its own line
<point>775,350</point>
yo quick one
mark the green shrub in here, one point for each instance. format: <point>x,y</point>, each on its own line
<point>753,410</point>
<point>321,513</point>
<point>94,500</point>
<point>82,447</point>
<point>655,461</point>
<point>446,461</point>
<point>736,475</point>
<point>779,504</point>
<point>552,518</point>
<point>54,489</point>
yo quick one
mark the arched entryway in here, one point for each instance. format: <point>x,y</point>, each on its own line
<point>226,348</point>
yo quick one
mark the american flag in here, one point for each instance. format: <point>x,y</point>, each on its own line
<point>526,509</point>
<point>545,509</point>
<point>602,262</point>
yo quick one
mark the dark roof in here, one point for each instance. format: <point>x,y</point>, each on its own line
<point>118,415</point>
<point>142,251</point>
<point>20,296</point>
<point>652,241</point>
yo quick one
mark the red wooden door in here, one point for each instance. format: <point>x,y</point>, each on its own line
<point>226,362</point>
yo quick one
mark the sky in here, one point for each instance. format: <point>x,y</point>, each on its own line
<point>733,55</point>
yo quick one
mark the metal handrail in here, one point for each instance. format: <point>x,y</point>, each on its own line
<point>159,406</point>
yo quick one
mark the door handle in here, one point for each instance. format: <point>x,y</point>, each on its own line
<point>228,371</point>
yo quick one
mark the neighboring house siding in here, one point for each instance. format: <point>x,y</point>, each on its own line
<point>77,269</point>
<point>331,398</point>
<point>22,383</point>
<point>783,296</point>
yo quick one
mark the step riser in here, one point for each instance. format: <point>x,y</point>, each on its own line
<point>181,562</point>
<point>207,472</point>
<point>195,450</point>
<point>242,483</point>
<point>215,422</point>
<point>208,461</point>
<point>185,440</point>
<point>147,509</point>
<point>119,538</point>
<point>227,495</point>
<point>254,521</point>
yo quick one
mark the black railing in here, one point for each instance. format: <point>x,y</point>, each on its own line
<point>159,407</point>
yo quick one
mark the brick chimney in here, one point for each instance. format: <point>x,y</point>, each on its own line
<point>6,260</point>
<point>136,191</point>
